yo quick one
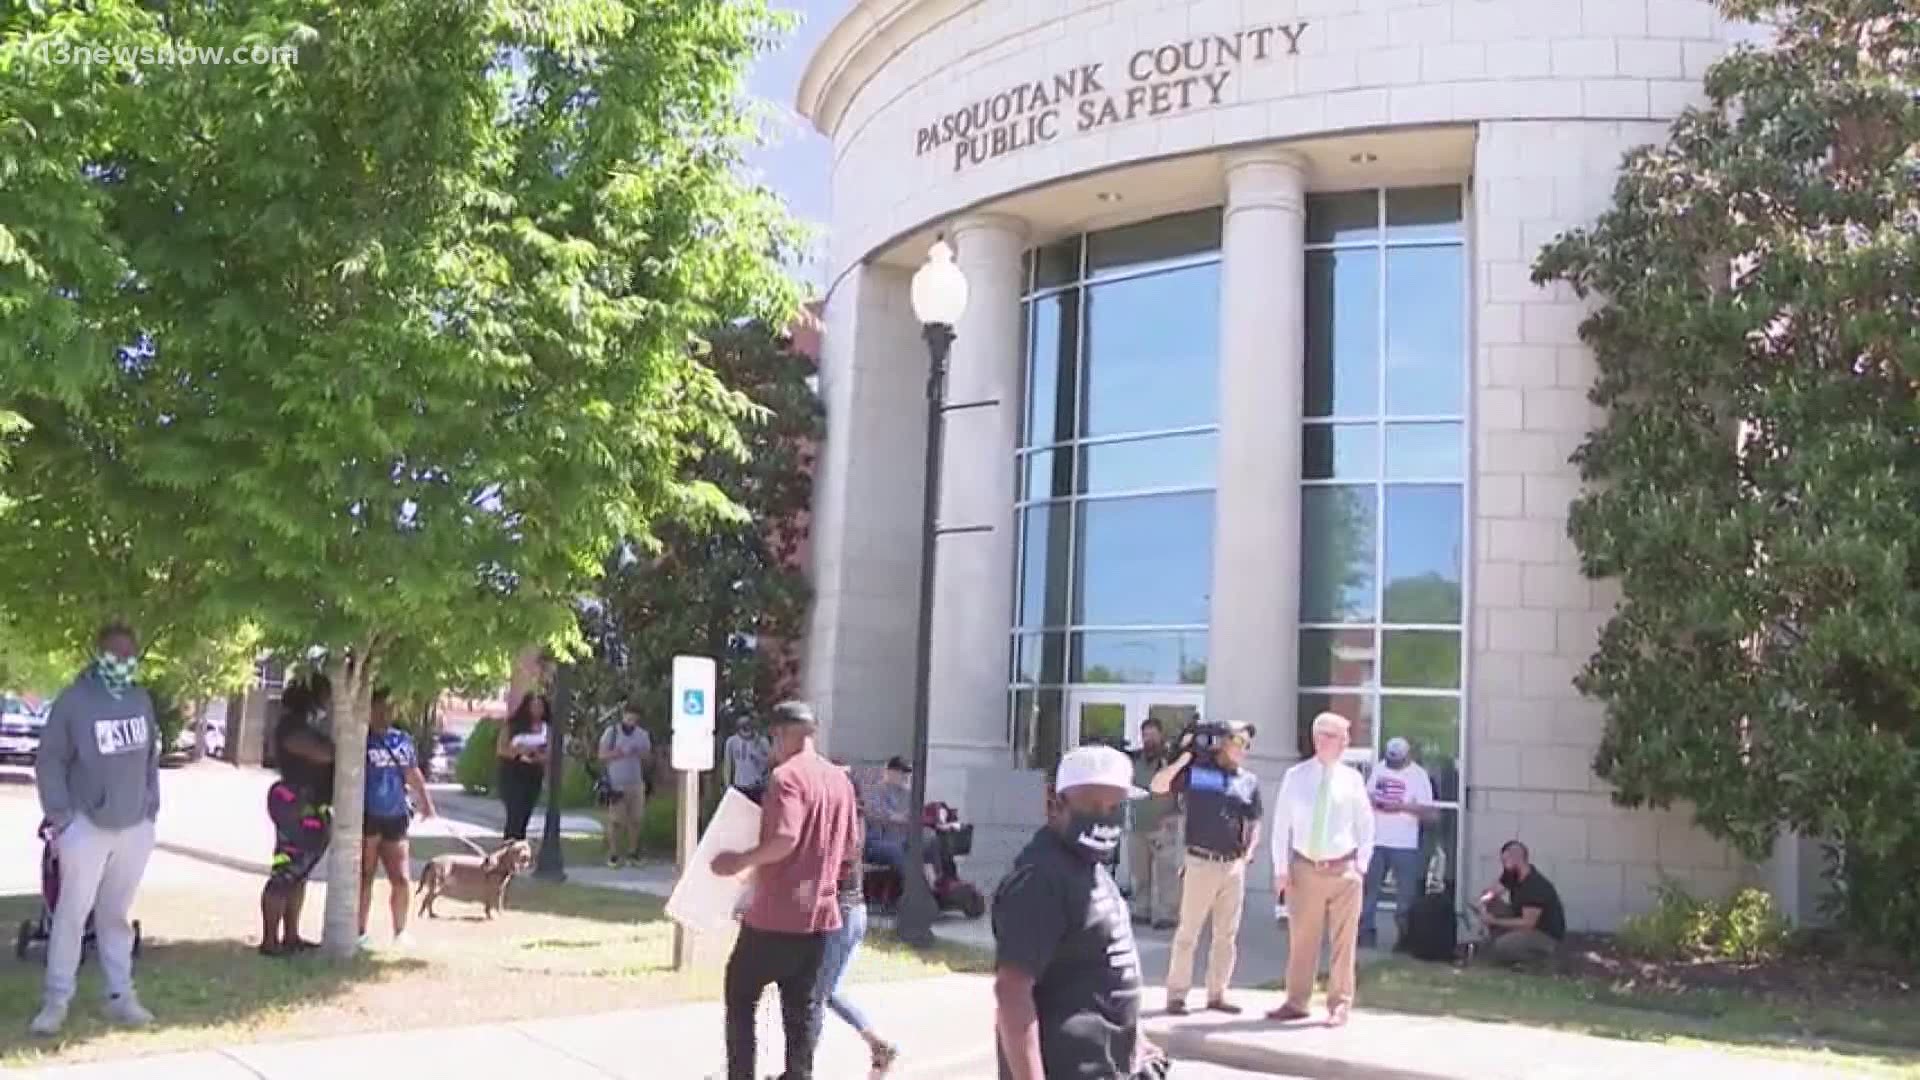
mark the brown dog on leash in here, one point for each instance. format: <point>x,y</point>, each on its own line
<point>472,878</point>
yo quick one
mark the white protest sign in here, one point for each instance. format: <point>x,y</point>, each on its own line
<point>702,900</point>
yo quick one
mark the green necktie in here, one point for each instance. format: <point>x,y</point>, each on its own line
<point>1317,846</point>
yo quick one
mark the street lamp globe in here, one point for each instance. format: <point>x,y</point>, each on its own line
<point>939,288</point>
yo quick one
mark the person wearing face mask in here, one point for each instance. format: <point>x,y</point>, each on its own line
<point>1223,825</point>
<point>98,774</point>
<point>1402,797</point>
<point>626,751</point>
<point>1066,973</point>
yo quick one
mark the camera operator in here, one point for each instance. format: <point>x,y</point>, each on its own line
<point>1222,826</point>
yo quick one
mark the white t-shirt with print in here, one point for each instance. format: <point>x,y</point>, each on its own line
<point>1407,784</point>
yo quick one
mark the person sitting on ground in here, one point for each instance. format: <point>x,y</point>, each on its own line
<point>1522,911</point>
<point>300,805</point>
<point>392,767</point>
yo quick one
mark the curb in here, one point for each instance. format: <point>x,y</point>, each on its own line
<point>1189,1045</point>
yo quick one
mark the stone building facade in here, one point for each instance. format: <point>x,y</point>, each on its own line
<point>1254,409</point>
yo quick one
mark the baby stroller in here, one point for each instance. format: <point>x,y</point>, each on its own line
<point>37,931</point>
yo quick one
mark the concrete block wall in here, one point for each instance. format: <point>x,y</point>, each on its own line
<point>1535,617</point>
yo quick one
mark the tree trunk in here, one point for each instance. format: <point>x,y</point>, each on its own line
<point>352,702</point>
<point>529,671</point>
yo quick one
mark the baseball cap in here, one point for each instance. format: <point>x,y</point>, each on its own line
<point>1397,749</point>
<point>791,712</point>
<point>1096,766</point>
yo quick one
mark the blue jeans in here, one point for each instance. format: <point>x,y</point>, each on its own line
<point>1409,881</point>
<point>841,945</point>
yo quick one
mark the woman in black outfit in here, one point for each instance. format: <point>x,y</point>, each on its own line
<point>522,751</point>
<point>300,805</point>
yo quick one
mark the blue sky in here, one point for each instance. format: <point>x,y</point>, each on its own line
<point>796,160</point>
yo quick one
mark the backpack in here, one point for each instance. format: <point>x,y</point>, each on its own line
<point>1432,932</point>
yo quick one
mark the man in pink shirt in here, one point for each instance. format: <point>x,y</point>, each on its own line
<point>809,819</point>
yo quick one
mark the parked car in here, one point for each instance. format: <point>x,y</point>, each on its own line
<point>216,737</point>
<point>446,755</point>
<point>20,728</point>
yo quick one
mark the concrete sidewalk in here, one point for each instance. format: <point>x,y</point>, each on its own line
<point>945,1029</point>
<point>677,1043</point>
<point>1396,1046</point>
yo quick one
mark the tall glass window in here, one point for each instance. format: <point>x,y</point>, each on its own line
<point>1116,469</point>
<point>1383,515</point>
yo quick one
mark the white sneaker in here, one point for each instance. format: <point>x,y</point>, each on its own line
<point>125,1009</point>
<point>49,1021</point>
<point>403,940</point>
<point>364,942</point>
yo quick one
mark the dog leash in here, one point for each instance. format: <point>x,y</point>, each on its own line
<point>447,826</point>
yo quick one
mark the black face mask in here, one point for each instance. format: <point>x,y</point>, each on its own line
<point>1093,837</point>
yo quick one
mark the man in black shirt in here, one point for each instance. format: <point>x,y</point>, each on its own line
<point>1066,974</point>
<point>1223,810</point>
<point>1522,911</point>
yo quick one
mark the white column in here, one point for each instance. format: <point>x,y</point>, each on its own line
<point>1252,672</point>
<point>866,517</point>
<point>973,570</point>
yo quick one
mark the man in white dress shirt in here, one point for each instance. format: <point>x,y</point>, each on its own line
<point>1322,845</point>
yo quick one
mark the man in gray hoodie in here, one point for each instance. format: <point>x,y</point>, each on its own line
<point>99,780</point>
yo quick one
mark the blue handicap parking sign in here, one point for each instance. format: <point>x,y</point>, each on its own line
<point>694,703</point>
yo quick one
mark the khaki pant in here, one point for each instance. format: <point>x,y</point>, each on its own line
<point>1154,859</point>
<point>624,817</point>
<point>1322,904</point>
<point>1210,891</point>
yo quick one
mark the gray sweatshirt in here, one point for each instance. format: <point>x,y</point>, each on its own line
<point>100,756</point>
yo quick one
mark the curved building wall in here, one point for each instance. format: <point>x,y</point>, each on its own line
<point>1017,127</point>
<point>1259,72</point>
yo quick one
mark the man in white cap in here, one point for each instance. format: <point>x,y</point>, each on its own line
<point>1066,974</point>
<point>1322,840</point>
<point>1402,796</point>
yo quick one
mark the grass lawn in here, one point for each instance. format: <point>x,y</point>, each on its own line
<point>561,950</point>
<point>1873,1036</point>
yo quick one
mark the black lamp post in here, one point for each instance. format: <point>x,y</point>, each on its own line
<point>939,299</point>
<point>552,865</point>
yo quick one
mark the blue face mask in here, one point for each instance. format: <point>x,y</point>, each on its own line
<point>116,672</point>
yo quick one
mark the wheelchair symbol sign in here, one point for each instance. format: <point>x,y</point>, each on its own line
<point>694,703</point>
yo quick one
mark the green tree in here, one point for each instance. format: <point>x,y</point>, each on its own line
<point>730,588</point>
<point>385,348</point>
<point>1755,487</point>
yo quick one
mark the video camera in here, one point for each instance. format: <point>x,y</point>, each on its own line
<point>1210,736</point>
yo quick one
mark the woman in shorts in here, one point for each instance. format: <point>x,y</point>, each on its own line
<point>393,767</point>
<point>300,805</point>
